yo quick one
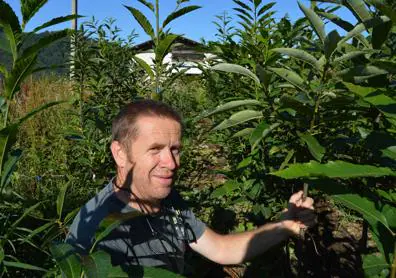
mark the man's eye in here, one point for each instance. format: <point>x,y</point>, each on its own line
<point>176,151</point>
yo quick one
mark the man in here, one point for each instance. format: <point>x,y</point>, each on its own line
<point>146,144</point>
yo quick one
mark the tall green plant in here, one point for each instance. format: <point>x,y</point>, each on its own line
<point>328,113</point>
<point>24,60</point>
<point>162,39</point>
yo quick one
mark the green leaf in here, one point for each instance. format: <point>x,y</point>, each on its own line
<point>238,118</point>
<point>359,28</point>
<point>8,17</point>
<point>290,76</point>
<point>257,133</point>
<point>55,21</point>
<point>380,34</point>
<point>245,13</point>
<point>34,49</point>
<point>358,8</point>
<point>364,206</point>
<point>348,56</point>
<point>337,20</point>
<point>60,200</point>
<point>8,167</point>
<point>1,254</point>
<point>245,162</point>
<point>226,189</point>
<point>117,272</point>
<point>179,13</point>
<point>233,68</point>
<point>23,266</point>
<point>261,131</point>
<point>147,4</point>
<point>38,110</point>
<point>142,20</point>
<point>373,265</point>
<point>316,23</point>
<point>330,43</point>
<point>39,230</point>
<point>10,23</point>
<point>29,8</point>
<point>67,260</point>
<point>243,5</point>
<point>110,223</point>
<point>146,67</point>
<point>231,105</point>
<point>332,169</point>
<point>265,8</point>
<point>163,48</point>
<point>360,73</point>
<point>22,68</point>
<point>300,55</point>
<point>3,70</point>
<point>389,152</point>
<point>25,213</point>
<point>390,214</point>
<point>244,132</point>
<point>7,140</point>
<point>314,146</point>
<point>381,101</point>
<point>385,9</point>
<point>97,264</point>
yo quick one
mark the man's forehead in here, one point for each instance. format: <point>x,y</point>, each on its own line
<point>158,126</point>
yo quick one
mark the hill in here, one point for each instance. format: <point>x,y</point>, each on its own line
<point>56,54</point>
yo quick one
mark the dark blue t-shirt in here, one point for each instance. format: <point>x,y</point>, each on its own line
<point>147,240</point>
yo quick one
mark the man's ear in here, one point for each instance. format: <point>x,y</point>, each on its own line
<point>119,154</point>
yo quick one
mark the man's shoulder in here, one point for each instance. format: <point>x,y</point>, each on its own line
<point>90,215</point>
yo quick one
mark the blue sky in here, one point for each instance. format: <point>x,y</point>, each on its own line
<point>196,25</point>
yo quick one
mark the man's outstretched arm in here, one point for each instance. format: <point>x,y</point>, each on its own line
<point>240,247</point>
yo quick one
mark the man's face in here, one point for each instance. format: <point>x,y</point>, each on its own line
<point>154,156</point>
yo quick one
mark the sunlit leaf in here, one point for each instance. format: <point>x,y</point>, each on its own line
<point>142,20</point>
<point>146,67</point>
<point>60,200</point>
<point>316,23</point>
<point>261,131</point>
<point>19,72</point>
<point>10,25</point>
<point>333,169</point>
<point>358,8</point>
<point>265,8</point>
<point>29,8</point>
<point>179,13</point>
<point>226,189</point>
<point>163,48</point>
<point>23,266</point>
<point>55,21</point>
<point>147,4</point>
<point>359,28</point>
<point>314,147</point>
<point>233,68</point>
<point>290,76</point>
<point>238,118</point>
<point>299,54</point>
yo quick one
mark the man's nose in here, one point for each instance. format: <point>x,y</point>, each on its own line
<point>168,160</point>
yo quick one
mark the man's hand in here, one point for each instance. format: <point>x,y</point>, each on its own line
<point>299,214</point>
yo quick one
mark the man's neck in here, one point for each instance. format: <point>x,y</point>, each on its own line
<point>128,196</point>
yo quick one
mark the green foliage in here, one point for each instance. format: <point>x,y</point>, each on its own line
<point>163,41</point>
<point>328,98</point>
